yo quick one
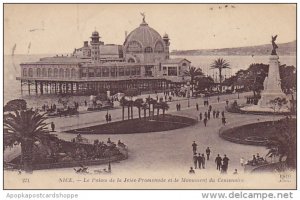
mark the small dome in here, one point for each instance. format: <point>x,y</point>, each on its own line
<point>166,36</point>
<point>145,35</point>
<point>95,33</point>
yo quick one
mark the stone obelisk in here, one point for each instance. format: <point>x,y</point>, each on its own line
<point>272,83</point>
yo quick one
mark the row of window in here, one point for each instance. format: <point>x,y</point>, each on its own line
<point>136,47</point>
<point>50,72</point>
<point>113,72</point>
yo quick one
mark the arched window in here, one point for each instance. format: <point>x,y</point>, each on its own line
<point>30,72</point>
<point>38,72</point>
<point>73,73</point>
<point>148,50</point>
<point>67,73</point>
<point>50,72</point>
<point>159,47</point>
<point>131,60</point>
<point>134,47</point>
<point>24,72</point>
<point>61,72</point>
<point>44,72</point>
<point>55,72</point>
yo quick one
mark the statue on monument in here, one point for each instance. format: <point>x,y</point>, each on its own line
<point>144,16</point>
<point>274,45</point>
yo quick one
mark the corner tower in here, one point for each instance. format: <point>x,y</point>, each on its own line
<point>167,45</point>
<point>95,47</point>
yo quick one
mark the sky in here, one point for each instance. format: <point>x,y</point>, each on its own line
<point>59,28</point>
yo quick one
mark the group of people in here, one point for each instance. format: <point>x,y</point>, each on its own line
<point>178,107</point>
<point>52,107</point>
<point>207,115</point>
<point>199,160</point>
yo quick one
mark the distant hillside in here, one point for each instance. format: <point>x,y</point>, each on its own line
<point>284,49</point>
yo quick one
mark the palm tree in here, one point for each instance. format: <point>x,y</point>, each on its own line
<point>25,127</point>
<point>220,64</point>
<point>139,104</point>
<point>164,106</point>
<point>123,103</point>
<point>153,102</point>
<point>129,107</point>
<point>145,107</point>
<point>193,72</point>
<point>148,101</point>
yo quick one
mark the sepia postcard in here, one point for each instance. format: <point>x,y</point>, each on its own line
<point>149,96</point>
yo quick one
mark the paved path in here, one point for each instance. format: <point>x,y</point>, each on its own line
<point>169,151</point>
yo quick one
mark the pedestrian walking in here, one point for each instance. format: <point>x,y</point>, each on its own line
<point>224,121</point>
<point>218,99</point>
<point>227,102</point>
<point>223,114</point>
<point>85,103</point>
<point>179,106</point>
<point>217,114</point>
<point>218,161</point>
<point>209,108</point>
<point>242,160</point>
<point>207,153</point>
<point>226,162</point>
<point>52,126</point>
<point>106,117</point>
<point>208,114</point>
<point>200,116</point>
<point>214,114</point>
<point>200,160</point>
<point>194,145</point>
<point>197,106</point>
<point>109,118</point>
<point>205,115</point>
<point>205,121</point>
<point>195,160</point>
<point>203,161</point>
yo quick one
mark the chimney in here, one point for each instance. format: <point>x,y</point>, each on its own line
<point>85,43</point>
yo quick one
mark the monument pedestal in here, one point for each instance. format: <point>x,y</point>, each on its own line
<point>272,86</point>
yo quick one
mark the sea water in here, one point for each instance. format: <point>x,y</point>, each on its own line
<point>12,87</point>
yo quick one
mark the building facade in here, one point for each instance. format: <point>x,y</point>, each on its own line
<point>142,63</point>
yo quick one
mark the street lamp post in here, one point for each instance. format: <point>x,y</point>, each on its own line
<point>188,93</point>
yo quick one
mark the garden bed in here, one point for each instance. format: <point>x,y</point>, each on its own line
<point>157,124</point>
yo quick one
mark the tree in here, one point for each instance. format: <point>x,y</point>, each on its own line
<point>164,106</point>
<point>129,107</point>
<point>220,64</point>
<point>284,143</point>
<point>193,72</point>
<point>204,83</point>
<point>139,104</point>
<point>153,102</point>
<point>288,78</point>
<point>123,103</point>
<point>16,104</point>
<point>145,107</point>
<point>277,103</point>
<point>25,127</point>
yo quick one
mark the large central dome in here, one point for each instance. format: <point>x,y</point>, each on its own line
<point>144,35</point>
